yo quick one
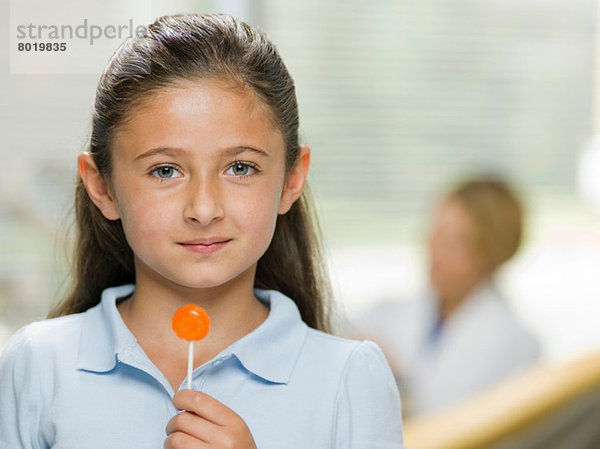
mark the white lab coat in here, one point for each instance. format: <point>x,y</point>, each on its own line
<point>480,344</point>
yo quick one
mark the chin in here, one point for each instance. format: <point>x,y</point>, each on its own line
<point>206,280</point>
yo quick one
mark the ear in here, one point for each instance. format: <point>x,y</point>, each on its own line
<point>96,186</point>
<point>295,180</point>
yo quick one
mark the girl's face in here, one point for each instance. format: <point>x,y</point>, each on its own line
<point>198,179</point>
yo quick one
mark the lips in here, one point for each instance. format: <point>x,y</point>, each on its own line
<point>206,245</point>
<point>206,241</point>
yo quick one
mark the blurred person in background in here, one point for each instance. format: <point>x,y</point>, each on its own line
<point>459,337</point>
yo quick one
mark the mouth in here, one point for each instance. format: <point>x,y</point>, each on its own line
<point>205,246</point>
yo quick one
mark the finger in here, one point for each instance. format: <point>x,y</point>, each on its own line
<point>194,425</point>
<point>204,406</point>
<point>180,440</point>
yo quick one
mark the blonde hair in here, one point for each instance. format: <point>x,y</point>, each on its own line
<point>497,214</point>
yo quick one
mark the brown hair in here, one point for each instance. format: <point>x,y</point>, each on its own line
<point>188,47</point>
<point>497,214</point>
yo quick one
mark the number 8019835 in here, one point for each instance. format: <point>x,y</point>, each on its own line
<point>42,46</point>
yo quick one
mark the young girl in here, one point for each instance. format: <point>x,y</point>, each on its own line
<point>192,192</point>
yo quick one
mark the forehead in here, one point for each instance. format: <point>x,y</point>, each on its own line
<point>204,113</point>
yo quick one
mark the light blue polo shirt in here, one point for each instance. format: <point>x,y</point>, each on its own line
<point>82,381</point>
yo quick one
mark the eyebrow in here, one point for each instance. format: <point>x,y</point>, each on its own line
<point>238,150</point>
<point>180,151</point>
<point>155,151</point>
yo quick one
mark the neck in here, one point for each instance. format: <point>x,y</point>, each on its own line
<point>232,307</point>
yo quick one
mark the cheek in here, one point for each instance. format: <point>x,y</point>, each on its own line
<point>255,212</point>
<point>464,265</point>
<point>450,261</point>
<point>142,218</point>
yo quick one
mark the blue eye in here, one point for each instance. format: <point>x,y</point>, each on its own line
<point>241,169</point>
<point>166,172</point>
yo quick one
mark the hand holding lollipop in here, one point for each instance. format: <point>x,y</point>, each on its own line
<point>191,323</point>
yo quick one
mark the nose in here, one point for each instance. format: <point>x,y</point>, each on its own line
<point>203,201</point>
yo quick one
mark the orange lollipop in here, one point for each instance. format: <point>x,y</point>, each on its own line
<point>191,323</point>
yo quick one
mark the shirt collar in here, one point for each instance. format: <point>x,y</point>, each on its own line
<point>104,335</point>
<point>270,351</point>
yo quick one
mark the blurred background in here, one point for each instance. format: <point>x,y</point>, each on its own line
<point>398,100</point>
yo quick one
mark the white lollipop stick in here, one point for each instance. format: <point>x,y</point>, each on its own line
<point>190,364</point>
